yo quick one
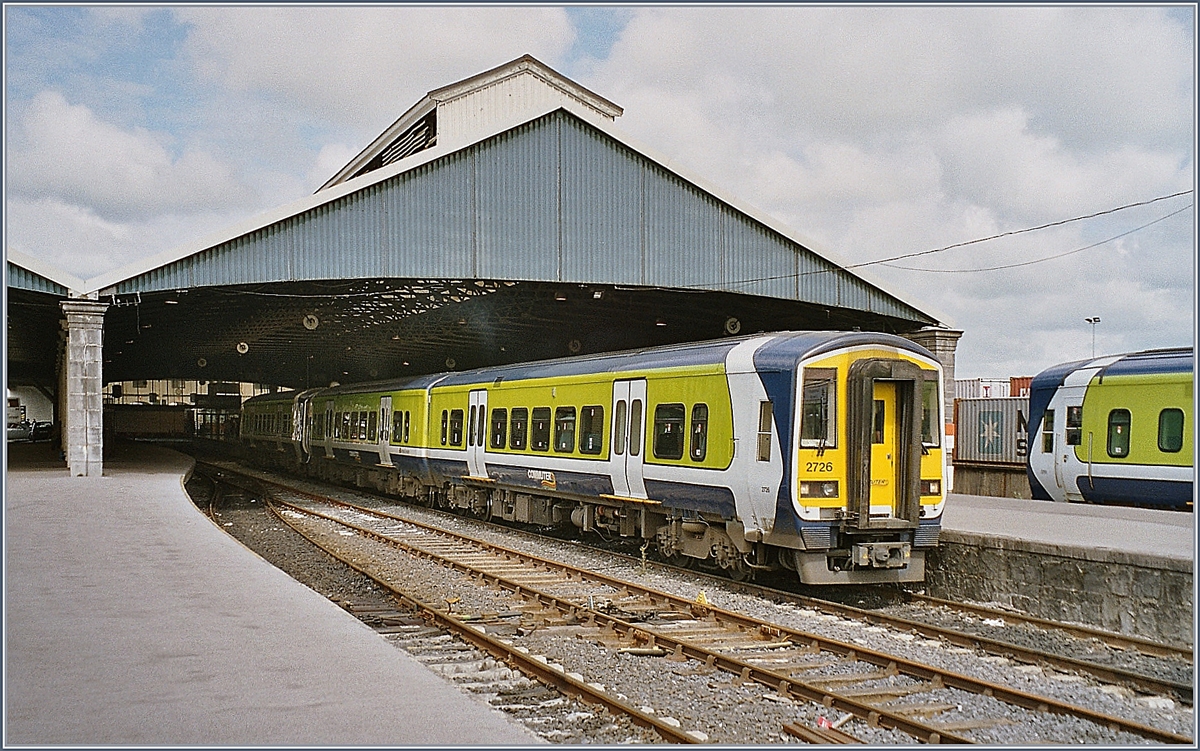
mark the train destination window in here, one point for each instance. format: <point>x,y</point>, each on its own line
<point>540,438</point>
<point>765,417</point>
<point>668,431</point>
<point>1075,425</point>
<point>445,426</point>
<point>371,425</point>
<point>1048,432</point>
<point>1170,430</point>
<point>564,429</point>
<point>818,426</point>
<point>931,434</point>
<point>879,421</point>
<point>619,427</point>
<point>1118,433</point>
<point>635,427</point>
<point>456,427</point>
<point>699,444</point>
<point>499,428</point>
<point>520,428</point>
<point>591,430</point>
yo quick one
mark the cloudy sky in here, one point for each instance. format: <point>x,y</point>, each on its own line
<point>873,132</point>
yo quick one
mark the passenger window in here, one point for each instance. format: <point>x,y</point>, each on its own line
<point>520,428</point>
<point>445,426</point>
<point>564,429</point>
<point>406,413</point>
<point>499,428</point>
<point>362,426</point>
<point>699,443</point>
<point>1075,425</point>
<point>540,438</point>
<point>1170,430</point>
<point>371,425</point>
<point>880,419</point>
<point>397,427</point>
<point>471,428</point>
<point>1048,432</point>
<point>818,428</point>
<point>1118,433</point>
<point>635,427</point>
<point>346,426</point>
<point>591,430</point>
<point>931,431</point>
<point>456,427</point>
<point>765,417</point>
<point>481,426</point>
<point>668,431</point>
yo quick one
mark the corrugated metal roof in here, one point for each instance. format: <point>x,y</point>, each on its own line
<point>549,200</point>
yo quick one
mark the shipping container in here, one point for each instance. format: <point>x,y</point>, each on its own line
<point>991,431</point>
<point>981,388</point>
<point>1019,385</point>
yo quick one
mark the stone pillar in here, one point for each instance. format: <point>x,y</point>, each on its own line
<point>83,418</point>
<point>943,343</point>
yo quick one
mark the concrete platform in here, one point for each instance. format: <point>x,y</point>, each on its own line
<point>1124,569</point>
<point>130,619</point>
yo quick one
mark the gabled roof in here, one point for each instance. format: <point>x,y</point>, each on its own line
<point>456,113</point>
<point>41,276</point>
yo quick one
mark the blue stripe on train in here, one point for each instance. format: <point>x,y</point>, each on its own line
<point>1159,493</point>
<point>680,495</point>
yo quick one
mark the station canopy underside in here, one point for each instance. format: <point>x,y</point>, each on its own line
<point>302,334</point>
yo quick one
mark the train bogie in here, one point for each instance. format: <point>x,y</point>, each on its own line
<point>814,452</point>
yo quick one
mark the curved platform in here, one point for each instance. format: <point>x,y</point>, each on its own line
<point>132,620</point>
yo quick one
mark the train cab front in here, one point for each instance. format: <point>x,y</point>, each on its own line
<point>869,476</point>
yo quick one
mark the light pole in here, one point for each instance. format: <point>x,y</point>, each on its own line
<point>1093,321</point>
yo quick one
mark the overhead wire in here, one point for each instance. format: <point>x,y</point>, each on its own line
<point>888,261</point>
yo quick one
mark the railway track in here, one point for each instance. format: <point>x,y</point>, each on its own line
<point>633,618</point>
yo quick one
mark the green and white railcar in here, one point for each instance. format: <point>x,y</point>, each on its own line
<point>819,452</point>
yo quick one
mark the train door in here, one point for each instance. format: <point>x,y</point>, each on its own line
<point>885,449</point>
<point>476,433</point>
<point>625,457</point>
<point>1067,467</point>
<point>385,430</point>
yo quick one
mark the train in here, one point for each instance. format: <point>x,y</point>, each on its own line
<point>818,453</point>
<point>1115,430</point>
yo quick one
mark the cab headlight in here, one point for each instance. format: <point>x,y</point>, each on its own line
<point>931,487</point>
<point>819,489</point>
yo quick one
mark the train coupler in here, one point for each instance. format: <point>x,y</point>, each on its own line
<point>881,554</point>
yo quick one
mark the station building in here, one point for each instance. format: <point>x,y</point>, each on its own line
<point>503,218</point>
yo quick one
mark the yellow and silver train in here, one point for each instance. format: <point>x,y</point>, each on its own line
<point>816,452</point>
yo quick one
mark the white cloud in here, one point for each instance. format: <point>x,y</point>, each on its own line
<point>66,153</point>
<point>363,67</point>
<point>881,131</point>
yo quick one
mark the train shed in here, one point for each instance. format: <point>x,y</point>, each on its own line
<point>501,219</point>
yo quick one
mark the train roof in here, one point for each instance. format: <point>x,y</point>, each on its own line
<point>1144,362</point>
<point>783,350</point>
